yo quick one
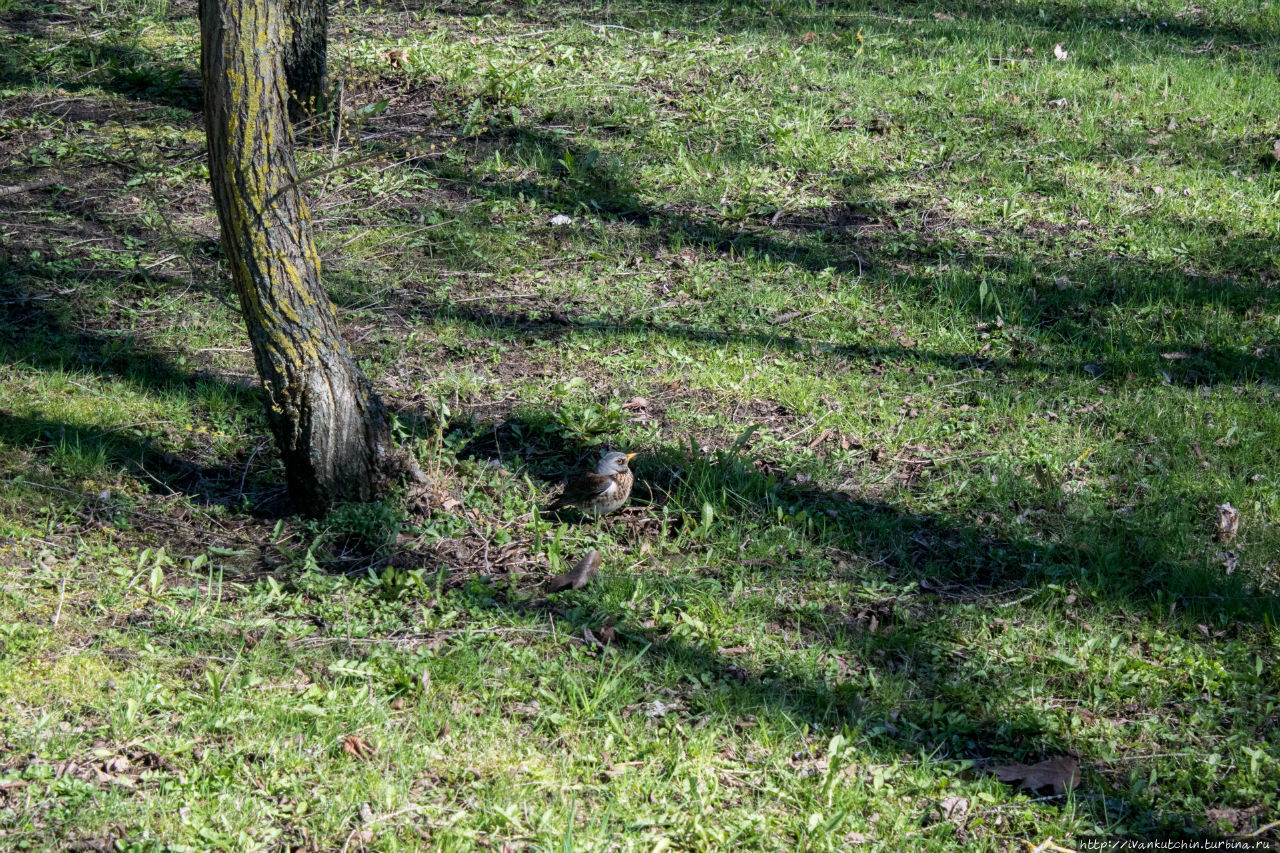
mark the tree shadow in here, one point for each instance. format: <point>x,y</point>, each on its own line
<point>1060,310</point>
<point>40,51</point>
<point>912,575</point>
<point>935,551</point>
<point>36,334</point>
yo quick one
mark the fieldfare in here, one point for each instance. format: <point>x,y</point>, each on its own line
<point>601,491</point>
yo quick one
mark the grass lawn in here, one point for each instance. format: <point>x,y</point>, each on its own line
<point>942,332</point>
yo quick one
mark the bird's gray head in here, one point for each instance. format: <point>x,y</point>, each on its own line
<point>613,463</point>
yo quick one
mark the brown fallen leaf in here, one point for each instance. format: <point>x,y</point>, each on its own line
<point>579,576</point>
<point>954,809</point>
<point>396,57</point>
<point>1060,773</point>
<point>821,437</point>
<point>357,747</point>
<point>1228,523</point>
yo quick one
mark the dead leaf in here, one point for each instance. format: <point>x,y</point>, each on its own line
<point>808,38</point>
<point>1228,523</point>
<point>785,318</point>
<point>1060,773</point>
<point>357,747</point>
<point>1275,150</point>
<point>657,708</point>
<point>943,16</point>
<point>579,576</point>
<point>396,57</point>
<point>1174,356</point>
<point>954,809</point>
<point>1060,53</point>
<point>822,436</point>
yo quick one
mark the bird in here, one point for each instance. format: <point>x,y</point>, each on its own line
<point>599,492</point>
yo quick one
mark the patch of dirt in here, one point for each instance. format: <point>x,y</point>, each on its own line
<point>1239,819</point>
<point>766,413</point>
<point>844,216</point>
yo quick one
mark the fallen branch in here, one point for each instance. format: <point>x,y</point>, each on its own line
<point>27,187</point>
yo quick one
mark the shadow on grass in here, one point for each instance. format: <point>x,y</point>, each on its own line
<point>1079,311</point>
<point>940,560</point>
<point>36,335</point>
<point>41,47</point>
<point>893,666</point>
<point>1115,558</point>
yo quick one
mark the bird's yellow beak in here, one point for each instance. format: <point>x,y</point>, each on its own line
<point>631,456</point>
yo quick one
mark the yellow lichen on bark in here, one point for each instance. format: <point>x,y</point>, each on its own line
<point>330,427</point>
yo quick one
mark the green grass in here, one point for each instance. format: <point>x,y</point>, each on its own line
<point>948,349</point>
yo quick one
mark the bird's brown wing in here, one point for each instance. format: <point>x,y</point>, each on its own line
<point>583,489</point>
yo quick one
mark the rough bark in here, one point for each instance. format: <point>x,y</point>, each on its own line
<point>306,50</point>
<point>330,426</point>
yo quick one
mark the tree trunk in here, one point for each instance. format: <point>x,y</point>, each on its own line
<point>329,424</point>
<point>306,51</point>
